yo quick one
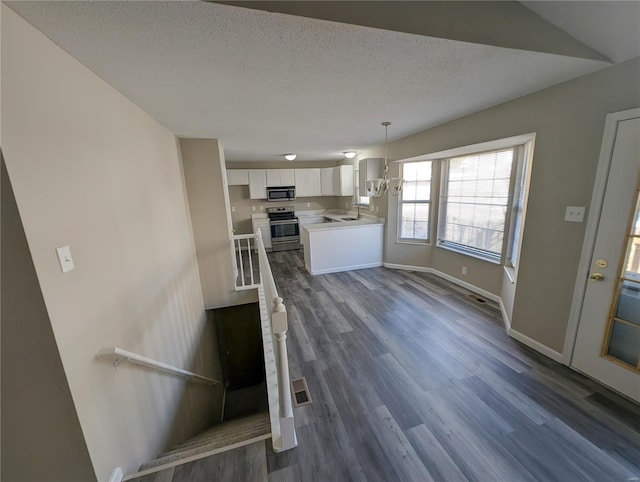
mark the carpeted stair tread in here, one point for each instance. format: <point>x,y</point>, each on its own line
<point>222,435</point>
<point>245,424</point>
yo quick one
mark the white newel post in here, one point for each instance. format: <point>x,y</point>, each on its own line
<point>259,239</point>
<point>280,326</point>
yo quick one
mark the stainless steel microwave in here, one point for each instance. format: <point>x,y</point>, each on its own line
<point>286,193</point>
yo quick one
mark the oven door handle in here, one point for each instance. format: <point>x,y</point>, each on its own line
<point>284,221</point>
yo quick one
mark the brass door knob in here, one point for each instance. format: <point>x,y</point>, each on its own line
<point>596,277</point>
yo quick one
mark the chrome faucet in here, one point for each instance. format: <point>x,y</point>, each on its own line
<point>356,203</point>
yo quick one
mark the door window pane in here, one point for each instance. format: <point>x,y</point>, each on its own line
<point>629,302</point>
<point>625,343</point>
<point>623,330</point>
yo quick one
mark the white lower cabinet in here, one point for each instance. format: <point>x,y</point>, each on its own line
<point>307,220</point>
<point>264,225</point>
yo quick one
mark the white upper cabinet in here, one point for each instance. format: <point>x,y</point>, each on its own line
<point>280,177</point>
<point>238,177</point>
<point>343,180</point>
<point>326,184</point>
<point>368,169</point>
<point>307,182</point>
<point>257,184</point>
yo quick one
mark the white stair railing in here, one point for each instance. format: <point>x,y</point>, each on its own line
<point>273,315</point>
<point>244,249</point>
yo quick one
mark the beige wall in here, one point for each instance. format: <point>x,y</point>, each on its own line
<point>39,421</point>
<point>91,170</point>
<point>205,177</point>
<point>569,121</point>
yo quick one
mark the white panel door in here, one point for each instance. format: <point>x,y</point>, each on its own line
<point>611,290</point>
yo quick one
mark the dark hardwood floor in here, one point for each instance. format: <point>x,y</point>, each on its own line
<point>412,380</point>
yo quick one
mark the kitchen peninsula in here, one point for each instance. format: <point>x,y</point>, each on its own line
<point>345,244</point>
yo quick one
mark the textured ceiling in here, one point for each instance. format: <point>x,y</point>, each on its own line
<point>268,83</point>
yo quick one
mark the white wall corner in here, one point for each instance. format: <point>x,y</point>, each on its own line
<point>536,345</point>
<point>117,475</point>
<point>505,316</point>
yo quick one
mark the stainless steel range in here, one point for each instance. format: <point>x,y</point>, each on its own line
<point>285,229</point>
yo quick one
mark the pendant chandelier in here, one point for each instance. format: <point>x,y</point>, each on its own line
<point>379,187</point>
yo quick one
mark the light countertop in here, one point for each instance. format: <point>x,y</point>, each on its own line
<point>342,225</point>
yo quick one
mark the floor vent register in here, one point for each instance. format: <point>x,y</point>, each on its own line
<point>477,298</point>
<point>300,390</point>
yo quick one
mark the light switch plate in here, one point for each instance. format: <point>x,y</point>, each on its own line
<point>574,214</point>
<point>233,209</point>
<point>65,259</point>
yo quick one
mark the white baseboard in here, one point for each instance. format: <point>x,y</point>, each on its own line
<point>407,267</point>
<point>345,268</point>
<point>486,294</point>
<point>536,345</point>
<point>117,475</point>
<point>530,342</point>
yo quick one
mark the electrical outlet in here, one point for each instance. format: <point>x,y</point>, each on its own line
<point>574,214</point>
<point>253,208</point>
<point>308,205</point>
<point>464,271</point>
<point>233,209</point>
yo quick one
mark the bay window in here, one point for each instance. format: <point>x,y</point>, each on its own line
<point>480,195</point>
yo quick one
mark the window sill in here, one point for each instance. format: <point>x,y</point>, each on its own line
<point>418,242</point>
<point>470,254</point>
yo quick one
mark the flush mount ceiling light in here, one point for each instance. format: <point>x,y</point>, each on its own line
<point>378,187</point>
<point>350,154</point>
<point>290,157</point>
